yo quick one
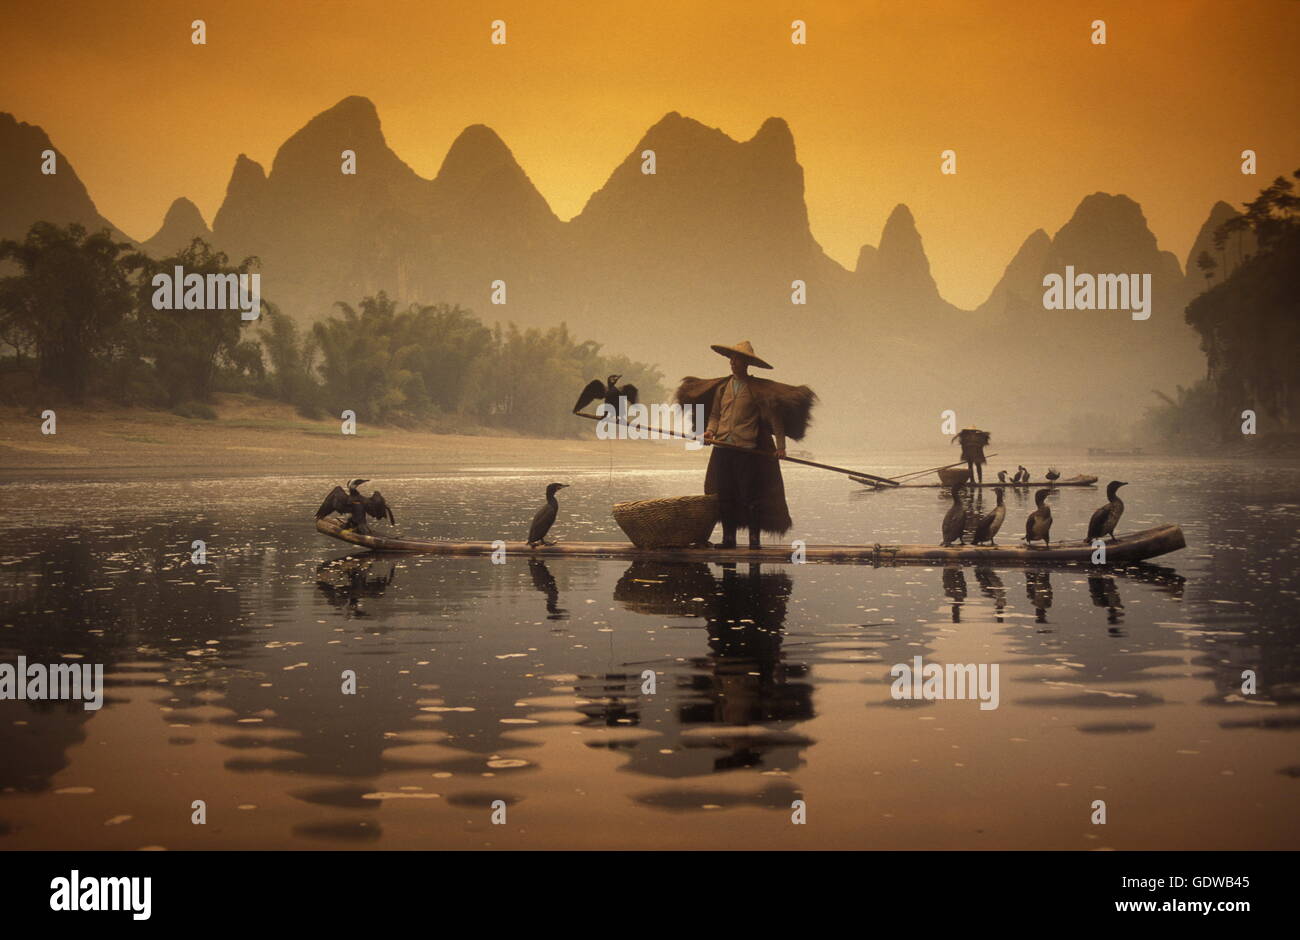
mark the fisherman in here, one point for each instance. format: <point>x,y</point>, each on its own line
<point>750,419</point>
<point>973,442</point>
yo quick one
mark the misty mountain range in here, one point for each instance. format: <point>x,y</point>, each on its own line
<point>659,266</point>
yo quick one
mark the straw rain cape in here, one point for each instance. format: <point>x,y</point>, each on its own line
<point>791,405</point>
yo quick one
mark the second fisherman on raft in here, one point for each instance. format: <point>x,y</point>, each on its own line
<point>751,418</point>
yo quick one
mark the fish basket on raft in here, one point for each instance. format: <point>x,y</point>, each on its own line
<point>675,522</point>
<point>954,477</point>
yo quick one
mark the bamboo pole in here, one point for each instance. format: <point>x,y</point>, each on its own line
<point>918,473</point>
<point>758,453</point>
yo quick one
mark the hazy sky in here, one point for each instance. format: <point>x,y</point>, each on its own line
<point>1038,115</point>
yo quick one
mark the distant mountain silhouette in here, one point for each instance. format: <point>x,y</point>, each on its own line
<point>1236,247</point>
<point>1021,286</point>
<point>1100,361</point>
<point>27,195</point>
<point>182,224</point>
<point>709,245</point>
<point>895,277</point>
<point>658,266</point>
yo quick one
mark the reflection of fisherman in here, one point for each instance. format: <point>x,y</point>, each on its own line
<point>973,442</point>
<point>754,415</point>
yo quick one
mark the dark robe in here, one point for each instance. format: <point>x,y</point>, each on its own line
<point>750,488</point>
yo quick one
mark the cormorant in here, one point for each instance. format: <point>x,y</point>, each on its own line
<point>609,392</point>
<point>545,517</point>
<point>1052,475</point>
<point>1105,519</point>
<point>1002,476</point>
<point>1022,475</point>
<point>989,525</point>
<point>955,520</point>
<point>1039,523</point>
<point>356,507</point>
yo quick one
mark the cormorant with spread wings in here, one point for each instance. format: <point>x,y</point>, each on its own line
<point>356,507</point>
<point>609,392</point>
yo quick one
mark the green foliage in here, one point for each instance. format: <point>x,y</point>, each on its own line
<point>66,303</point>
<point>1248,324</point>
<point>391,365</point>
<point>292,362</point>
<point>80,315</point>
<point>188,347</point>
<point>1192,418</point>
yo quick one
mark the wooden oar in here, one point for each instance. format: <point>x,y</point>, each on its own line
<point>758,453</point>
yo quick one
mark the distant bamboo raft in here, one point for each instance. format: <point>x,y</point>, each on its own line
<point>1135,547</point>
<point>1080,480</point>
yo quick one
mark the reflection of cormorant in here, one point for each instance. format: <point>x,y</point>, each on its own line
<point>954,585</point>
<point>544,581</point>
<point>991,586</point>
<point>1106,517</point>
<point>345,581</point>
<point>1106,594</point>
<point>1038,588</point>
<point>545,517</point>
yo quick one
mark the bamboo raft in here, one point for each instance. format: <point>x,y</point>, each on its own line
<point>1134,547</point>
<point>1080,480</point>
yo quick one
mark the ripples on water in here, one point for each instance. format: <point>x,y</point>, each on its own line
<point>526,682</point>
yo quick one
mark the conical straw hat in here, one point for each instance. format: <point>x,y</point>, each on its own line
<point>743,348</point>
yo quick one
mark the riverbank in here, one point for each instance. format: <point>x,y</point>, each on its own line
<point>253,436</point>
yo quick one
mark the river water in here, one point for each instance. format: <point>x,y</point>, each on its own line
<point>527,685</point>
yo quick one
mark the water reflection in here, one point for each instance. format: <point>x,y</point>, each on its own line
<point>954,585</point>
<point>1105,594</point>
<point>1038,588</point>
<point>991,586</point>
<point>545,582</point>
<point>734,707</point>
<point>346,581</point>
<point>479,682</point>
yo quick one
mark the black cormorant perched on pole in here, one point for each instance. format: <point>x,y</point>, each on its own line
<point>609,392</point>
<point>1105,519</point>
<point>1039,523</point>
<point>356,507</point>
<point>955,521</point>
<point>1002,476</point>
<point>1022,475</point>
<point>545,517</point>
<point>989,525</point>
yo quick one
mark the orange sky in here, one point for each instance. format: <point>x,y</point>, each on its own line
<point>1038,115</point>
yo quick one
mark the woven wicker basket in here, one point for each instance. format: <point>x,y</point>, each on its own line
<point>954,476</point>
<point>675,522</point>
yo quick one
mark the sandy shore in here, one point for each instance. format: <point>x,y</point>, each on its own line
<point>253,437</point>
